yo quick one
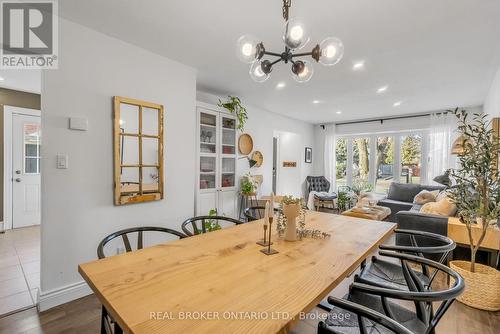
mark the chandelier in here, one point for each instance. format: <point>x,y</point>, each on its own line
<point>251,50</point>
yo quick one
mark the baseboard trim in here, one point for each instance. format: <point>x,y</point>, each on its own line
<point>65,294</point>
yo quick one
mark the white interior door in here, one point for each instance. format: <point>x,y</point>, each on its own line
<point>25,170</point>
<point>290,149</point>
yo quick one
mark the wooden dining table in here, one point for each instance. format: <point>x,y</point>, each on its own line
<point>220,282</point>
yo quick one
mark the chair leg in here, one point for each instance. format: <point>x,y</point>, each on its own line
<point>118,329</point>
<point>103,320</point>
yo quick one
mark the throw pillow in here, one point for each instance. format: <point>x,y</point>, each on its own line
<point>444,207</point>
<point>425,196</point>
<point>442,194</point>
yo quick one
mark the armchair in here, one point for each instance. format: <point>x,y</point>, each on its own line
<point>321,184</point>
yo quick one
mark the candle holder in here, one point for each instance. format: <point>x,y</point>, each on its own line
<point>264,242</point>
<point>268,250</point>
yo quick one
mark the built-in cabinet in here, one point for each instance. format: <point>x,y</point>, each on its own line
<point>216,175</point>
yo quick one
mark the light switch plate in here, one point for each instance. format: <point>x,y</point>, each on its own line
<point>62,161</point>
<point>78,123</point>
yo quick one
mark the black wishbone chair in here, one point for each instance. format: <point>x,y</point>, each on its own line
<point>203,224</point>
<point>254,213</point>
<point>108,325</point>
<point>361,312</point>
<point>421,321</point>
<point>390,275</point>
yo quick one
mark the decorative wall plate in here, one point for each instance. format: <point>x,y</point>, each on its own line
<point>245,144</point>
<point>257,156</point>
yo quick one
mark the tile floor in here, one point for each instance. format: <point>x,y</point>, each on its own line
<point>19,268</point>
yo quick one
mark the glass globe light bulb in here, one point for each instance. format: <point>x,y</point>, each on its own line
<point>303,71</point>
<point>257,74</point>
<point>295,35</point>
<point>246,48</point>
<point>332,51</point>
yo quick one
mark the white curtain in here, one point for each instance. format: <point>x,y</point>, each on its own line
<point>441,136</point>
<point>329,155</point>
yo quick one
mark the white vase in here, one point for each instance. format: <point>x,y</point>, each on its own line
<point>291,212</point>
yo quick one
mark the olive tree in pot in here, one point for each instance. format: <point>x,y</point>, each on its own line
<point>477,197</point>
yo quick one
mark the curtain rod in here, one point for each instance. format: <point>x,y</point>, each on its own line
<point>381,120</point>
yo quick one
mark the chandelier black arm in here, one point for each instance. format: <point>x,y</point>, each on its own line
<point>302,54</point>
<point>272,54</point>
<point>276,61</point>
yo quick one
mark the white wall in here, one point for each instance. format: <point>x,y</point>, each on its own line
<point>262,125</point>
<point>77,203</point>
<point>492,102</point>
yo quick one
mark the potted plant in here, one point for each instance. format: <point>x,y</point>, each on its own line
<point>477,197</point>
<point>248,185</point>
<point>210,224</point>
<point>359,188</point>
<point>233,105</point>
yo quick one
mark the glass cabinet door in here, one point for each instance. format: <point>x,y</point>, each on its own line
<point>208,151</point>
<point>208,133</point>
<point>208,169</point>
<point>228,149</point>
<point>228,135</point>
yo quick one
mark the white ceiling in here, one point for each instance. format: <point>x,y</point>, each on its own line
<point>432,54</point>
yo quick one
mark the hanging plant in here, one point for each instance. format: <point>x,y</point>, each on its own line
<point>233,105</point>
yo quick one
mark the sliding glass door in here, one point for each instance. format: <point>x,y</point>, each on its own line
<point>384,163</point>
<point>341,163</point>
<point>361,160</point>
<point>411,158</point>
<point>380,159</point>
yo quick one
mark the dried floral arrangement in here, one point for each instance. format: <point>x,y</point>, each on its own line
<point>302,231</point>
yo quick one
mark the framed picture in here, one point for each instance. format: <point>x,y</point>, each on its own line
<point>309,155</point>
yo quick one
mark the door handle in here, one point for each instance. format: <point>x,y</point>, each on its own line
<point>18,179</point>
<point>18,171</point>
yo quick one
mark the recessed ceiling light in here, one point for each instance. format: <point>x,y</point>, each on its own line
<point>316,101</point>
<point>382,89</point>
<point>2,79</point>
<point>397,104</point>
<point>280,85</point>
<point>360,65</point>
<point>338,112</point>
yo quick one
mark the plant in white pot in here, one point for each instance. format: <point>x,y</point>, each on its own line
<point>477,197</point>
<point>291,210</point>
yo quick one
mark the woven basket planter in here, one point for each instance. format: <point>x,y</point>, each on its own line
<point>481,288</point>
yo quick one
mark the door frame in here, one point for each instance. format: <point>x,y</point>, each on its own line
<point>8,115</point>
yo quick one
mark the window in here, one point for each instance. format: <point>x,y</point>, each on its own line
<point>341,163</point>
<point>361,160</point>
<point>374,161</point>
<point>384,164</point>
<point>32,148</point>
<point>411,158</point>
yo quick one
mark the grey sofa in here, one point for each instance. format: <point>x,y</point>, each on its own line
<point>400,198</point>
<point>406,214</point>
